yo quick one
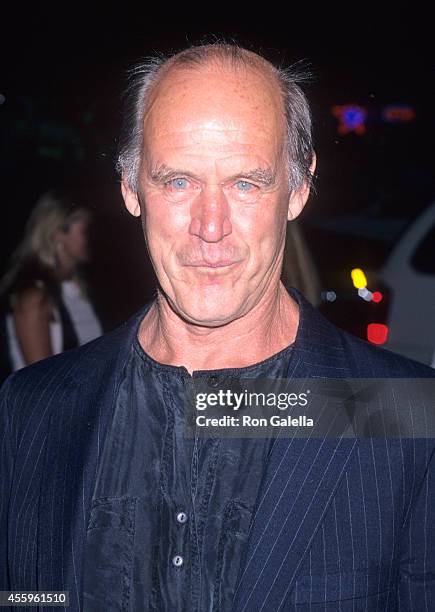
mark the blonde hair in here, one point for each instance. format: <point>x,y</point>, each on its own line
<point>34,260</point>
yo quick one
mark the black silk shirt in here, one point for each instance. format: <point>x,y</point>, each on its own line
<point>171,514</point>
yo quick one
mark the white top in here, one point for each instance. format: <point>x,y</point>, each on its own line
<point>84,320</point>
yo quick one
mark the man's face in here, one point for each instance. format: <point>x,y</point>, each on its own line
<point>213,191</point>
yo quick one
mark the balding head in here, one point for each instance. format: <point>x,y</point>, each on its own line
<point>216,98</point>
<point>151,78</point>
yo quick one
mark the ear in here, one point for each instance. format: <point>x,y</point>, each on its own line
<point>299,198</point>
<point>131,200</point>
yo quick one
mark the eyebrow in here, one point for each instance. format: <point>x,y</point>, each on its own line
<point>261,175</point>
<point>162,173</point>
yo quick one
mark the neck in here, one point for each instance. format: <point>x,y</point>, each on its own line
<point>267,329</point>
<point>64,269</point>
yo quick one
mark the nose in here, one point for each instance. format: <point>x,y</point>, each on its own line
<point>210,215</point>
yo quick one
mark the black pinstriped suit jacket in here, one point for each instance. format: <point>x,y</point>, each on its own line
<point>341,524</point>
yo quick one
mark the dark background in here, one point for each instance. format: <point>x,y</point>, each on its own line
<point>62,75</point>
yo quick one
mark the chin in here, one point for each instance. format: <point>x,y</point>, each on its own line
<point>210,314</point>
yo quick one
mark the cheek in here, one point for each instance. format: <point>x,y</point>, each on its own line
<point>164,226</point>
<point>261,229</point>
<point>165,218</point>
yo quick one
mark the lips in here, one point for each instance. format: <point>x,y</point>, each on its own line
<point>218,264</point>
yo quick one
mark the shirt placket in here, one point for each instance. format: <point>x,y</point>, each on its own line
<point>175,557</point>
<point>203,473</point>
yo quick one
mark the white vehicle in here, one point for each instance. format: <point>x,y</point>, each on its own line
<point>409,273</point>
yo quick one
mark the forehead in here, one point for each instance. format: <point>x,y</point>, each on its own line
<point>219,103</point>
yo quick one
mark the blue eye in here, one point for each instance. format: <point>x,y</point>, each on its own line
<point>244,186</point>
<point>178,183</point>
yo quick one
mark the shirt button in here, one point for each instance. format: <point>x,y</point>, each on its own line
<point>181,517</point>
<point>213,380</point>
<point>177,561</point>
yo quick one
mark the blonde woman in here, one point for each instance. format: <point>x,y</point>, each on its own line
<point>47,310</point>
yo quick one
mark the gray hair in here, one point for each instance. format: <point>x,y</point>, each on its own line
<point>145,76</point>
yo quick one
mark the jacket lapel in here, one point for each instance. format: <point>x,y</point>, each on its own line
<point>81,410</point>
<point>301,478</point>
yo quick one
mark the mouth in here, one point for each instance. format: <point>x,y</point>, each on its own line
<point>215,265</point>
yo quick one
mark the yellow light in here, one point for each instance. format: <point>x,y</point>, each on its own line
<point>358,278</point>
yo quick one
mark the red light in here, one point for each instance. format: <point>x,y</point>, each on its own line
<point>377,296</point>
<point>377,333</point>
